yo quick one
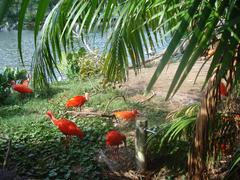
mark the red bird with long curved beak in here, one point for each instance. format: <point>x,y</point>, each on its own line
<point>126,115</point>
<point>115,138</point>
<point>21,88</point>
<point>77,101</point>
<point>67,127</point>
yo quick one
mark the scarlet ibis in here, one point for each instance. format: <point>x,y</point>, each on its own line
<point>67,127</point>
<point>114,139</point>
<point>127,115</point>
<point>223,90</point>
<point>21,88</point>
<point>77,101</point>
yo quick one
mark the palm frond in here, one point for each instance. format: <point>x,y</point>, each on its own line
<point>22,13</point>
<point>135,27</point>
<point>180,127</point>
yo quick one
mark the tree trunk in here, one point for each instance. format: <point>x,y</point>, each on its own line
<point>197,157</point>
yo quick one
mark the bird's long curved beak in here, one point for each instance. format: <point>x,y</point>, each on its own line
<point>125,143</point>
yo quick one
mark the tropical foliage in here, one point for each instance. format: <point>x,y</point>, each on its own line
<point>174,137</point>
<point>201,23</point>
<point>136,25</point>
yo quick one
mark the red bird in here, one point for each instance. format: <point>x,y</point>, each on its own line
<point>77,101</point>
<point>114,139</point>
<point>223,89</point>
<point>21,88</point>
<point>127,115</point>
<point>67,127</point>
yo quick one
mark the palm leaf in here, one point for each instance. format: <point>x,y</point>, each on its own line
<point>42,8</point>
<point>197,34</point>
<point>173,44</point>
<point>202,46</point>
<point>22,13</point>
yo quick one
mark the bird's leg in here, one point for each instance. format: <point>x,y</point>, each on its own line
<point>111,152</point>
<point>117,152</point>
<point>68,139</point>
<point>65,142</point>
<point>117,122</point>
<point>75,109</point>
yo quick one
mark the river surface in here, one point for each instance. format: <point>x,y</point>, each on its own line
<point>9,55</point>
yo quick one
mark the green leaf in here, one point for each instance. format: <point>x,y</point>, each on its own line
<point>173,44</point>
<point>42,8</point>
<point>202,45</point>
<point>22,13</point>
<point>197,34</point>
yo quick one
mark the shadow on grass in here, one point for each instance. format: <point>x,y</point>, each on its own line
<point>173,159</point>
<point>38,150</point>
<point>45,94</point>
<point>9,111</point>
<point>49,158</point>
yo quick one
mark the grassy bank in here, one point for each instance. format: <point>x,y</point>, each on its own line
<point>37,148</point>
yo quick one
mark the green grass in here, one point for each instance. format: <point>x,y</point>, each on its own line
<point>38,150</point>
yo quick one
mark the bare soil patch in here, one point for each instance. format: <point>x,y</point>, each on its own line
<point>188,93</point>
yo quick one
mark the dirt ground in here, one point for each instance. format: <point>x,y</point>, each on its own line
<point>187,94</point>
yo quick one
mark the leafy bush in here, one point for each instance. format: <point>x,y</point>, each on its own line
<point>174,137</point>
<point>82,65</point>
<point>6,77</point>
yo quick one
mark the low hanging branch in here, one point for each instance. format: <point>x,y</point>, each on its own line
<point>148,98</point>
<point>111,100</point>
<point>90,114</point>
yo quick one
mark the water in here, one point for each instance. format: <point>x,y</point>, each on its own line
<point>9,55</point>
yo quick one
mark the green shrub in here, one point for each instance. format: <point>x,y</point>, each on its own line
<point>82,65</point>
<point>6,77</point>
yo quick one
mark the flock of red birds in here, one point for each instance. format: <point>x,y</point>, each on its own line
<point>114,138</point>
<point>69,128</point>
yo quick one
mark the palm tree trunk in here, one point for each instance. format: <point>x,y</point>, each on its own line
<point>197,157</point>
<point>204,122</point>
